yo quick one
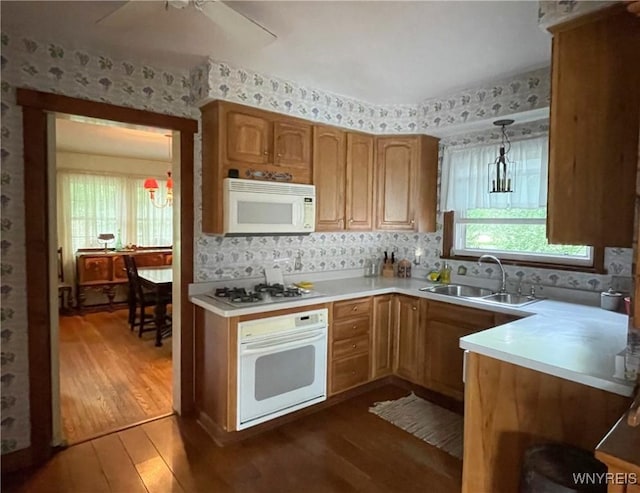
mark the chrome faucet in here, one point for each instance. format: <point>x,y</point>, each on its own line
<point>503,287</point>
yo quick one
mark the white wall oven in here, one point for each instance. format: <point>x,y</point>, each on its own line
<point>282,365</point>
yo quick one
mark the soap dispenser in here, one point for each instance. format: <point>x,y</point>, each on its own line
<point>445,273</point>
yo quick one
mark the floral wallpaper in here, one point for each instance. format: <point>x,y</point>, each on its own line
<point>551,12</point>
<point>53,68</point>
<point>494,134</point>
<point>525,92</point>
<point>216,80</point>
<point>48,66</point>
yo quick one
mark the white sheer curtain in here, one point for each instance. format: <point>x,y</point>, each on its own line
<point>90,204</point>
<point>465,177</point>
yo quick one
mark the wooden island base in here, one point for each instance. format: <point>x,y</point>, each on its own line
<point>509,407</point>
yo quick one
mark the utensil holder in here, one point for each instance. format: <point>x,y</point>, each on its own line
<point>387,270</point>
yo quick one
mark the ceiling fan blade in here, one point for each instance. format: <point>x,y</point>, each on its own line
<point>132,13</point>
<point>235,23</point>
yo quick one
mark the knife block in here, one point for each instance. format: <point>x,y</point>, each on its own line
<point>387,269</point>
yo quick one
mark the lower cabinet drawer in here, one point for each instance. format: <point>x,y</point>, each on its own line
<point>350,328</point>
<point>348,372</point>
<point>351,347</point>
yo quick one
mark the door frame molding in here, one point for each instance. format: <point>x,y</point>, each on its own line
<point>35,106</point>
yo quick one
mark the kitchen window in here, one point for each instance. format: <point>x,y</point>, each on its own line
<point>511,226</point>
<point>90,204</point>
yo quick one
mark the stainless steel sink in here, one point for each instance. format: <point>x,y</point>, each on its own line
<point>459,290</point>
<point>510,299</point>
<point>480,294</point>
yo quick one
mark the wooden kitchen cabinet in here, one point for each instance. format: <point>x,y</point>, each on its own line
<point>444,325</point>
<point>359,183</point>
<point>349,344</point>
<point>343,176</point>
<point>408,339</point>
<point>406,180</point>
<point>329,163</point>
<point>382,337</point>
<point>593,134</point>
<point>257,143</point>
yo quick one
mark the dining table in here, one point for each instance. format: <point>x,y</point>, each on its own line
<point>158,280</point>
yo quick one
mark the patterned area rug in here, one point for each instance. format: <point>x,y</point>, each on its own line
<point>429,422</point>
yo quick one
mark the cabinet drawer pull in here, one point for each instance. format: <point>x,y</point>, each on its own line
<point>355,327</point>
<point>353,372</point>
<point>354,346</point>
<point>414,308</point>
<point>279,155</point>
<point>355,308</point>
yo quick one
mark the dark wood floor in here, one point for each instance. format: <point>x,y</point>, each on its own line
<point>110,378</point>
<point>340,449</point>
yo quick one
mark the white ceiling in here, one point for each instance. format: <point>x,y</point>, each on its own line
<point>381,52</point>
<point>91,136</point>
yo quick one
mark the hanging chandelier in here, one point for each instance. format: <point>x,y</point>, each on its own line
<point>502,177</point>
<point>151,186</point>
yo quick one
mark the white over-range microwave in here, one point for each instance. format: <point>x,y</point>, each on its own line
<point>268,208</point>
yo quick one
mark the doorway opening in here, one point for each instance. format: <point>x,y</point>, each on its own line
<point>112,188</point>
<point>38,109</point>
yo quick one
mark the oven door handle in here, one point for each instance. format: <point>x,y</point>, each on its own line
<point>269,347</point>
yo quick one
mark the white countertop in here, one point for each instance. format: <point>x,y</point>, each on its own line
<point>567,340</point>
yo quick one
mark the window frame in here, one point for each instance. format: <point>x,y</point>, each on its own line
<point>448,246</point>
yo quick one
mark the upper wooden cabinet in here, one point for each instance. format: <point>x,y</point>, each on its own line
<point>406,173</point>
<point>359,188</point>
<point>292,144</point>
<point>249,137</point>
<point>593,135</point>
<point>256,143</point>
<point>343,176</point>
<point>329,163</point>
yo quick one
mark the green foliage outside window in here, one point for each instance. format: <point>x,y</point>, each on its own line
<point>526,238</point>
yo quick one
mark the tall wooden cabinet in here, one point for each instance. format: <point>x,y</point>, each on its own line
<point>382,337</point>
<point>329,159</point>
<point>406,174</point>
<point>593,135</point>
<point>408,339</point>
<point>359,186</point>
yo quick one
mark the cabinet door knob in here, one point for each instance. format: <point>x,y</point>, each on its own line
<point>355,327</point>
<point>279,155</point>
<point>354,346</point>
<point>414,308</point>
<point>350,220</point>
<point>413,221</point>
<point>265,152</point>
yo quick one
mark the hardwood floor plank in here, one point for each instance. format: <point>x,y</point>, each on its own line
<point>137,445</point>
<point>110,378</point>
<point>157,477</point>
<point>190,466</point>
<point>117,466</point>
<point>343,448</point>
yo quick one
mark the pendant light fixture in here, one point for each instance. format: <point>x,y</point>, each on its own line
<point>502,178</point>
<point>151,185</point>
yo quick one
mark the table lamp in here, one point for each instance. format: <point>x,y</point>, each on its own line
<point>106,237</point>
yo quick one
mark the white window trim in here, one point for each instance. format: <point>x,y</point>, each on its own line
<point>459,235</point>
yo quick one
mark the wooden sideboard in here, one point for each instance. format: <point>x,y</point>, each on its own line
<point>104,272</point>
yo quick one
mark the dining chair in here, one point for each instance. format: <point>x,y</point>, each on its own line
<point>139,300</point>
<point>65,290</point>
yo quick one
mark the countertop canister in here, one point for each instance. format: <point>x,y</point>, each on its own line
<point>610,300</point>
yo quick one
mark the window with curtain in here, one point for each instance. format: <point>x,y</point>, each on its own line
<point>90,204</point>
<point>508,225</point>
